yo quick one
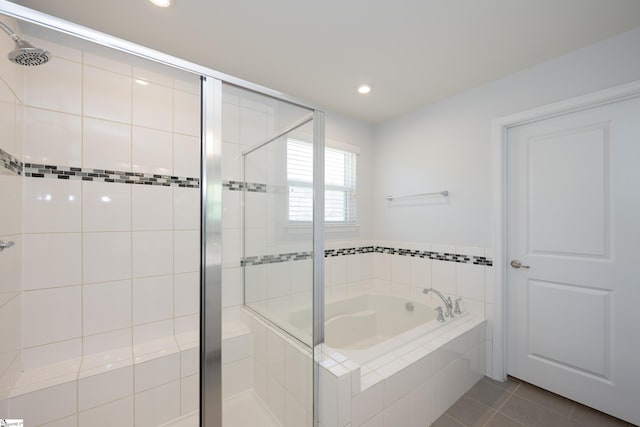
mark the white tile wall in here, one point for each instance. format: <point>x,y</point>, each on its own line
<point>106,256</point>
<point>52,137</point>
<point>152,106</point>
<point>106,206</point>
<point>152,299</point>
<point>51,315</point>
<point>97,134</point>
<point>52,207</point>
<point>106,95</point>
<point>106,307</point>
<point>152,151</point>
<point>99,258</point>
<point>52,260</point>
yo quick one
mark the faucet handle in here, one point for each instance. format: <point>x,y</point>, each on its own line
<point>440,315</point>
<point>457,310</point>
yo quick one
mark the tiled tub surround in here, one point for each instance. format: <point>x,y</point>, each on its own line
<point>109,284</point>
<point>395,389</point>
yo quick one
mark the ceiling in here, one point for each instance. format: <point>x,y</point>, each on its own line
<point>413,52</point>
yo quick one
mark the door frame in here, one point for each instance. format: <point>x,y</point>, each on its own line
<point>500,224</point>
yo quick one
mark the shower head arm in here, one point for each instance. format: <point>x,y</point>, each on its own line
<point>10,32</point>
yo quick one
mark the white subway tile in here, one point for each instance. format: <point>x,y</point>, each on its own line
<point>367,403</point>
<point>401,269</point>
<point>236,377</point>
<point>158,405</point>
<point>106,206</point>
<point>106,145</point>
<point>186,208</point>
<point>51,138</point>
<point>118,413</point>
<point>102,343</point>
<point>295,414</point>
<point>231,160</point>
<point>399,413</point>
<point>52,403</point>
<point>189,362</point>
<point>42,324</point>
<point>253,126</point>
<point>52,206</point>
<point>231,286</point>
<point>275,398</point>
<point>189,394</point>
<point>236,348</point>
<point>443,276</point>
<point>152,299</point>
<point>71,421</point>
<point>186,113</point>
<point>186,293</point>
<point>188,83</point>
<point>275,356</point>
<point>152,151</point>
<point>106,307</point>
<point>152,253</point>
<point>231,215</point>
<point>106,95</point>
<point>58,86</point>
<point>470,280</point>
<point>106,256</point>
<point>51,260</point>
<point>49,354</point>
<point>156,372</point>
<point>186,155</point>
<point>421,402</point>
<point>151,332</point>
<point>186,251</point>
<point>153,73</point>
<point>96,390</point>
<point>397,385</point>
<point>151,207</point>
<point>106,63</point>
<point>230,123</point>
<point>152,106</point>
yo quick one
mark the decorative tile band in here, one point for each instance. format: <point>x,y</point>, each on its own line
<point>104,175</point>
<point>10,163</point>
<point>439,256</point>
<point>249,186</point>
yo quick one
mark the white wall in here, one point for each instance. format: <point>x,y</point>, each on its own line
<point>447,145</point>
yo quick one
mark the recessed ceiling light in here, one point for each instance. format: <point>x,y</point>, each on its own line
<point>364,89</point>
<point>162,3</point>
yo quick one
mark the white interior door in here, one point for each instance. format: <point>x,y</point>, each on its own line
<point>574,225</point>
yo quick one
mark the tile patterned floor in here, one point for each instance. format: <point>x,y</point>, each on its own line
<point>515,404</point>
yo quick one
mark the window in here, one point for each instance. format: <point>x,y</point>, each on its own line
<point>340,183</point>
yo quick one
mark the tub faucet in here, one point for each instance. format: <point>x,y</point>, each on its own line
<point>447,301</point>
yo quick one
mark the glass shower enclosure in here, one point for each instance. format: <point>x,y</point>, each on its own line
<point>154,276</point>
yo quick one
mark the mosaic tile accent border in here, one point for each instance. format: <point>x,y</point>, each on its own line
<point>440,256</point>
<point>252,187</point>
<point>10,163</point>
<point>103,175</point>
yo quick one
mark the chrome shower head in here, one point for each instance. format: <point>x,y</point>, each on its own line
<point>25,53</point>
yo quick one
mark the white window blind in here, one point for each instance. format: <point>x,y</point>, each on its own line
<point>340,183</point>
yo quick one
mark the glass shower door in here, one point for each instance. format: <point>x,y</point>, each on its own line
<point>274,268</point>
<point>99,296</point>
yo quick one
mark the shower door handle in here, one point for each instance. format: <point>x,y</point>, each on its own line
<point>5,245</point>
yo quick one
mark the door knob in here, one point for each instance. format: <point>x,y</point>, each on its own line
<point>517,264</point>
<point>5,245</point>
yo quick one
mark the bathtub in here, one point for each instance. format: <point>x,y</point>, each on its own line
<point>366,327</point>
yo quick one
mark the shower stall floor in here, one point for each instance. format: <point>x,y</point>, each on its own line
<point>241,410</point>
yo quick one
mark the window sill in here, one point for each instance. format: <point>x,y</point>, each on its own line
<point>328,228</point>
